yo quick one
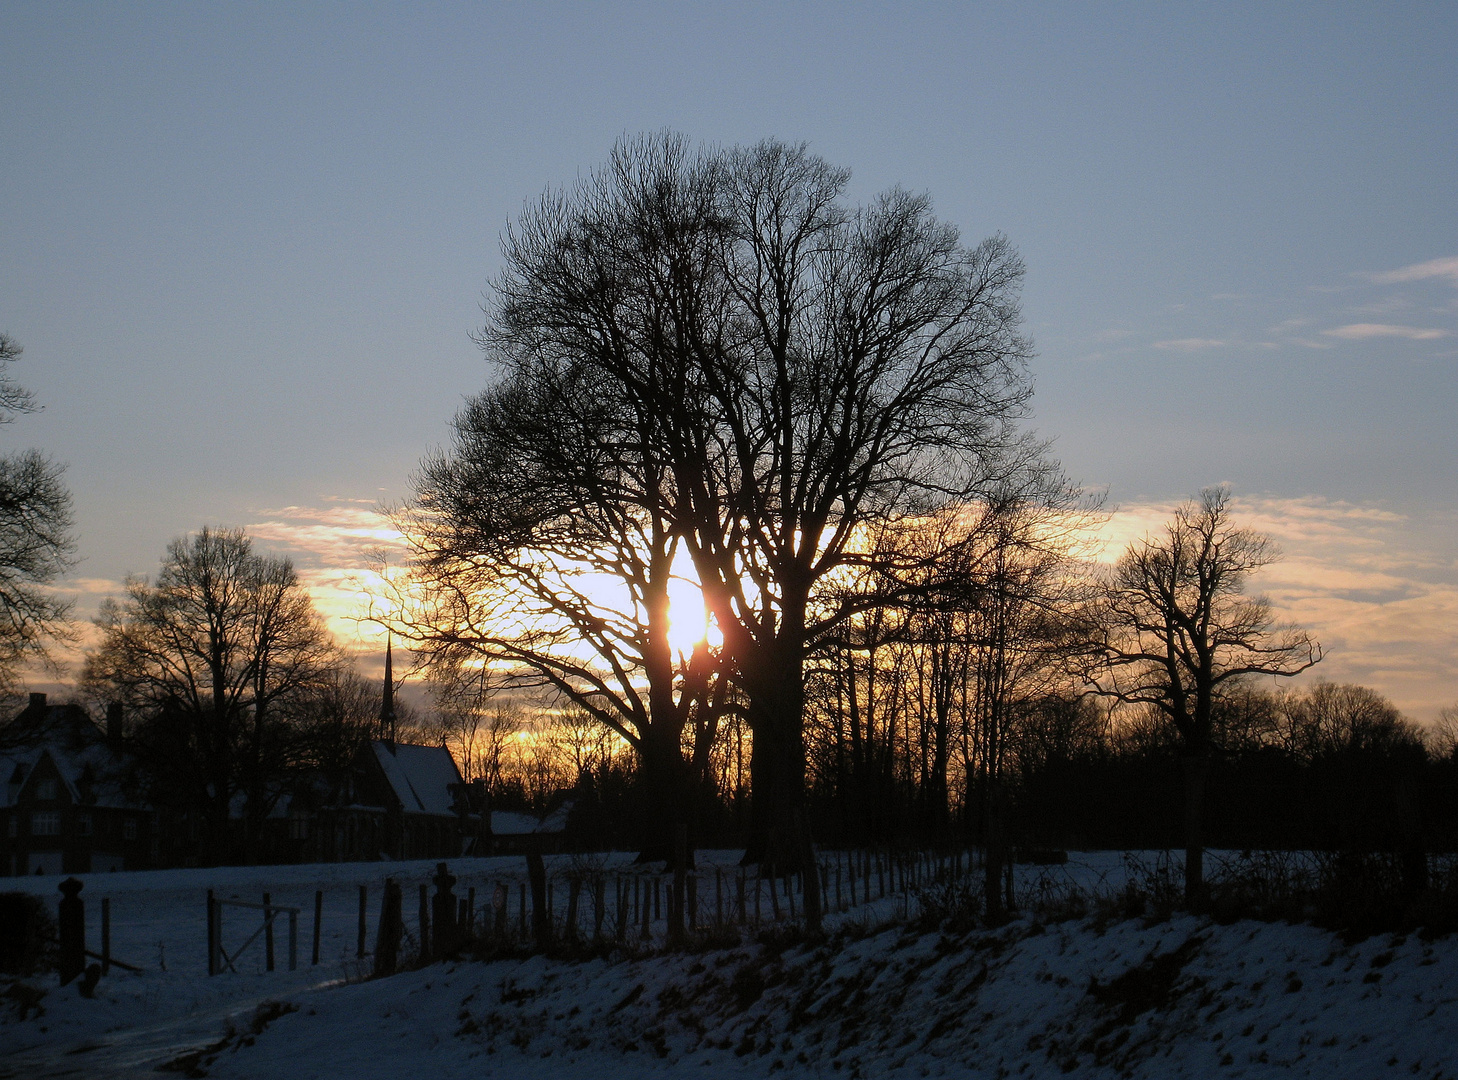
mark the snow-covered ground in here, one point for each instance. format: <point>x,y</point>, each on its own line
<point>1182,997</point>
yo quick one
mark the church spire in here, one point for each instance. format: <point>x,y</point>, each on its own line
<point>387,700</point>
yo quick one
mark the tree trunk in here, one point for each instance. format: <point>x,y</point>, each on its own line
<point>994,850</point>
<point>1196,770</point>
<point>666,796</point>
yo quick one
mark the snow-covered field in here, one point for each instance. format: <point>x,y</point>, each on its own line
<point>1182,997</point>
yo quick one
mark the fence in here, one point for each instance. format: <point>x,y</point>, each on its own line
<point>584,899</point>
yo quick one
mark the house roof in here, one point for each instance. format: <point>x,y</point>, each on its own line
<point>92,774</point>
<point>511,823</point>
<point>420,776</point>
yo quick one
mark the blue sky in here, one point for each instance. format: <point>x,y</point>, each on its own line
<point>244,245</point>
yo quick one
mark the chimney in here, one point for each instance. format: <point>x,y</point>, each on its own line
<point>37,701</point>
<point>114,724</point>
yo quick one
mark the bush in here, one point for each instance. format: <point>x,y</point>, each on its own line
<point>27,934</point>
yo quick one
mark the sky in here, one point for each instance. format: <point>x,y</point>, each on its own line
<point>245,247</point>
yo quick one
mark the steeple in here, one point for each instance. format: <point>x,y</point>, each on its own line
<point>387,700</point>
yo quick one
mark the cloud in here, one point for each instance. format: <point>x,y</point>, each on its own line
<point>1433,268</point>
<point>1190,344</point>
<point>1359,331</point>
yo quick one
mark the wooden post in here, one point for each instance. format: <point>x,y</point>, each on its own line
<point>839,906</point>
<point>541,917</point>
<point>268,931</point>
<point>774,894</point>
<point>523,888</point>
<point>293,939</point>
<point>574,892</point>
<point>718,898</point>
<point>318,916</point>
<point>468,924</point>
<point>424,917</point>
<point>646,913</point>
<point>105,935</point>
<point>743,910</point>
<point>693,901</point>
<point>359,947</point>
<point>72,925</point>
<point>622,924</point>
<point>387,943</point>
<point>599,888</point>
<point>212,934</point>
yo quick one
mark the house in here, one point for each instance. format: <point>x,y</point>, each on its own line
<point>69,805</point>
<point>515,833</point>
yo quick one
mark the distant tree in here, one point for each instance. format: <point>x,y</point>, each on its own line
<point>36,543</point>
<point>1340,718</point>
<point>214,657</point>
<point>1172,629</point>
<point>1443,736</point>
<point>336,716</point>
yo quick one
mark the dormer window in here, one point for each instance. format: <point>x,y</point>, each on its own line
<point>45,790</point>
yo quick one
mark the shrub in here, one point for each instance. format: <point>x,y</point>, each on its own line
<point>27,934</point>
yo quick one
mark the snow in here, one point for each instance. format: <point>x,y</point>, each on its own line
<point>511,823</point>
<point>1177,998</point>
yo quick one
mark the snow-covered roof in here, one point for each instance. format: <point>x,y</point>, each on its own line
<point>421,776</point>
<point>91,774</point>
<point>511,823</point>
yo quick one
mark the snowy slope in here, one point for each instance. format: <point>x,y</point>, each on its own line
<point>1177,998</point>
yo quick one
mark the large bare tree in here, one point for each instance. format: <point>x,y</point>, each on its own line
<point>1173,628</point>
<point>208,657</point>
<point>36,543</point>
<point>777,380</point>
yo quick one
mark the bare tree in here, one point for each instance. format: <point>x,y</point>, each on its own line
<point>1173,628</point>
<point>724,358</point>
<point>208,655</point>
<point>1443,735</point>
<point>36,544</point>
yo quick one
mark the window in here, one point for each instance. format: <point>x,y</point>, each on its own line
<point>45,823</point>
<point>129,829</point>
<point>83,825</point>
<point>298,826</point>
<point>12,826</point>
<point>45,790</point>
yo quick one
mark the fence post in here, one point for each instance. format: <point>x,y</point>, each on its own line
<point>268,931</point>
<point>293,939</point>
<point>73,930</point>
<point>105,935</point>
<point>718,898</point>
<point>213,929</point>
<point>424,923</point>
<point>359,948</point>
<point>318,913</point>
<point>387,944</point>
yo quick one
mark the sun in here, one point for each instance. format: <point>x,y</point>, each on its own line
<point>688,619</point>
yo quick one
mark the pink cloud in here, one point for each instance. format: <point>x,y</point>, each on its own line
<point>1359,331</point>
